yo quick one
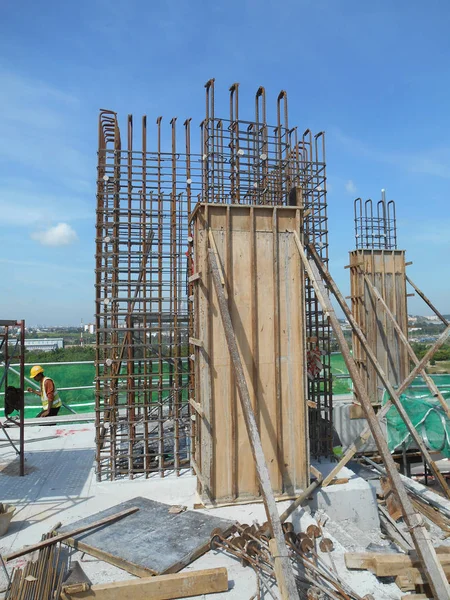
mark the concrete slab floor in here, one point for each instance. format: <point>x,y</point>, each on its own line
<point>60,485</point>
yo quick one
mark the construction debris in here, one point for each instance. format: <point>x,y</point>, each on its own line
<point>407,569</point>
<point>254,548</point>
<point>40,579</point>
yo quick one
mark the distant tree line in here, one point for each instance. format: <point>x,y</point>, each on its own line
<point>74,354</point>
<point>421,349</point>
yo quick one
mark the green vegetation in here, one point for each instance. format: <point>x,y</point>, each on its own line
<point>443,354</point>
<point>73,354</point>
<point>442,366</point>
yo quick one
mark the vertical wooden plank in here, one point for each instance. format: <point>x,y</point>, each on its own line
<point>240,310</point>
<point>276,342</point>
<point>254,325</point>
<point>300,434</point>
<point>386,271</point>
<point>230,385</point>
<point>294,463</point>
<point>203,356</point>
<point>265,356</point>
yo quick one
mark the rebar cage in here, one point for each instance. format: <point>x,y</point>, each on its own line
<point>375,230</point>
<point>144,375</point>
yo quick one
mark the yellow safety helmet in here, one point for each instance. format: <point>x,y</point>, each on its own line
<point>35,371</point>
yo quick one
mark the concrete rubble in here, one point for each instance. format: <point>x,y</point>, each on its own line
<point>60,485</point>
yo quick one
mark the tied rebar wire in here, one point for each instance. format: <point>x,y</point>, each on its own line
<point>144,374</point>
<point>375,229</point>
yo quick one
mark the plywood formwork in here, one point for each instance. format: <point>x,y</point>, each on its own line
<point>264,282</point>
<point>387,272</point>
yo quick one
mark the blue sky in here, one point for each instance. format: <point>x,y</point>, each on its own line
<point>374,75</point>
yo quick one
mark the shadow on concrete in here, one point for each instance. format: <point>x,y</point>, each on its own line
<point>48,474</point>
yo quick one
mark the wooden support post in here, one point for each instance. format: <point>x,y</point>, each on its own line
<point>394,395</point>
<point>282,565</point>
<point>419,534</point>
<point>161,587</point>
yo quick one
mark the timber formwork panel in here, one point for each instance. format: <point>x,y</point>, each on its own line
<point>264,284</point>
<point>387,272</point>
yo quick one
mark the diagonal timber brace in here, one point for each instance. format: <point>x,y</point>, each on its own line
<point>419,534</point>
<point>284,573</point>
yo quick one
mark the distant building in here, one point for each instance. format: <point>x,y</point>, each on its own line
<point>90,328</point>
<point>433,319</point>
<point>46,344</point>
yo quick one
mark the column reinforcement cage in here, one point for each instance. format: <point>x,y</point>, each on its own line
<point>144,375</point>
<point>375,230</point>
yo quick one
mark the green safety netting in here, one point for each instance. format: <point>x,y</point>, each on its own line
<point>426,414</point>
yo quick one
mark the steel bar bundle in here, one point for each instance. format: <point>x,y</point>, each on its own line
<point>40,579</point>
<point>144,268</point>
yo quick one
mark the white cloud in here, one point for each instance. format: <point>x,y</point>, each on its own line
<point>59,235</point>
<point>350,187</point>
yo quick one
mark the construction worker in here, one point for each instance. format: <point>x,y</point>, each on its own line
<point>48,393</point>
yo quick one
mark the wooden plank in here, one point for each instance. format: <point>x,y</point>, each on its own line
<point>253,338</point>
<point>389,564</point>
<point>117,561</point>
<point>414,579</point>
<point>196,406</point>
<point>70,534</point>
<point>394,564</point>
<point>298,501</point>
<point>361,561</point>
<point>161,587</point>
<point>356,412</point>
<point>203,371</point>
<point>195,277</point>
<point>196,342</point>
<point>230,387</point>
<point>422,542</point>
<point>392,504</point>
<point>276,348</point>
<point>285,575</point>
